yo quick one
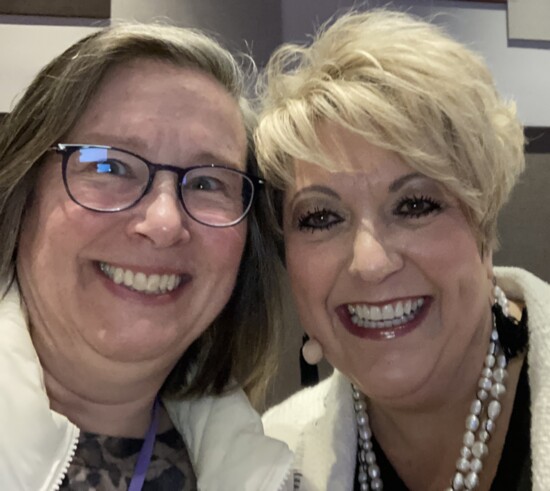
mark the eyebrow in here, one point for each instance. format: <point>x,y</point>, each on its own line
<point>401,181</point>
<point>139,146</point>
<point>393,187</point>
<point>315,189</point>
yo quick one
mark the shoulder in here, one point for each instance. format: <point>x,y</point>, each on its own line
<point>304,406</point>
<point>522,285</point>
<point>288,420</point>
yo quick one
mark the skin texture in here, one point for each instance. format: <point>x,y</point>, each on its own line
<point>102,346</point>
<point>375,231</point>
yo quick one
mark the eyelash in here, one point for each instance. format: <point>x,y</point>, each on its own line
<point>304,221</point>
<point>431,206</point>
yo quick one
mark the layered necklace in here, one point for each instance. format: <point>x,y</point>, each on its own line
<point>480,422</point>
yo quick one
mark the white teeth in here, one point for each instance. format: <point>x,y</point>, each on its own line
<point>375,313</point>
<point>387,312</point>
<point>154,284</point>
<point>398,310</point>
<point>384,316</point>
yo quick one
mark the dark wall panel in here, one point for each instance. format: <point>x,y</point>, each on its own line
<point>97,9</point>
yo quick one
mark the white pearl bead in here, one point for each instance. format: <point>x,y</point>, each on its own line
<point>493,410</point>
<point>465,452</point>
<point>361,418</point>
<point>482,395</point>
<point>476,465</point>
<point>490,360</point>
<point>497,390</point>
<point>500,374</point>
<point>501,361</point>
<point>485,383</point>
<point>484,436</point>
<point>365,433</point>
<point>471,481</point>
<point>458,481</point>
<point>371,457</point>
<point>374,471</point>
<point>376,484</point>
<point>472,422</point>
<point>489,425</point>
<point>479,450</point>
<point>487,372</point>
<point>469,438</point>
<point>476,406</point>
<point>462,465</point>
<point>360,406</point>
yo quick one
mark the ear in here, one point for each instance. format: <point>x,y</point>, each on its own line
<point>487,260</point>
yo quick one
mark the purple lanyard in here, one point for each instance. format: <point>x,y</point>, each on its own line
<point>146,451</point>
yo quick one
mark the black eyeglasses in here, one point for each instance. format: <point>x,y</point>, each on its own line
<point>108,179</point>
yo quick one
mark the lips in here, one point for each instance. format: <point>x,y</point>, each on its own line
<point>150,284</point>
<point>384,321</point>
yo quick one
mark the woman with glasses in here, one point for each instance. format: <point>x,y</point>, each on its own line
<point>393,153</point>
<point>137,290</point>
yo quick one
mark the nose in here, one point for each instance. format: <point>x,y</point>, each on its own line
<point>161,218</point>
<point>374,259</point>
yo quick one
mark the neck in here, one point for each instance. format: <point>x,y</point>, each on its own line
<point>101,395</point>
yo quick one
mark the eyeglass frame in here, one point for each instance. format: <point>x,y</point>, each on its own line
<point>67,149</point>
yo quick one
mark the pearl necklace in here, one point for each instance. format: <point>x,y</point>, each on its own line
<point>480,423</point>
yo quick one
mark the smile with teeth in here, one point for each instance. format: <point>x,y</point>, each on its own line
<point>153,284</point>
<point>384,316</point>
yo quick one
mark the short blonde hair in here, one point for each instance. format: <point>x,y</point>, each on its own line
<point>406,87</point>
<point>240,344</point>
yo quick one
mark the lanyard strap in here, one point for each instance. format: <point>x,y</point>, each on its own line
<point>146,451</point>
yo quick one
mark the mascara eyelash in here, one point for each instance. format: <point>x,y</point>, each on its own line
<point>434,206</point>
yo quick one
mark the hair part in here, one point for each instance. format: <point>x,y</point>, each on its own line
<point>405,86</point>
<point>236,345</point>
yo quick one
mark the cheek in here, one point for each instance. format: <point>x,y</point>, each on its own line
<point>313,272</point>
<point>222,249</point>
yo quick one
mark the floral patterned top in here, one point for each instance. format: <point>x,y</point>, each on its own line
<point>103,463</point>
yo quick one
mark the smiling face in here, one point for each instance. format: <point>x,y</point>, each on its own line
<point>144,283</point>
<point>387,273</point>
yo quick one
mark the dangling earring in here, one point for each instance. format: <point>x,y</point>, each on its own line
<point>311,353</point>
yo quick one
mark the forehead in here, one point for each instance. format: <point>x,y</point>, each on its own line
<point>348,159</point>
<point>150,104</point>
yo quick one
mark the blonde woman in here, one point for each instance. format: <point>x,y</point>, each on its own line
<point>391,154</point>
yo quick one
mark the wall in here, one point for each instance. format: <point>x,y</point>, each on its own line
<point>28,43</point>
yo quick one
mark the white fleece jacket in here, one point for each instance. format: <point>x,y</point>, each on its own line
<point>224,434</point>
<point>319,423</point>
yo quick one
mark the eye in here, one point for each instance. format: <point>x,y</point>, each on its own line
<point>416,207</point>
<point>204,183</point>
<point>112,167</point>
<point>319,219</point>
